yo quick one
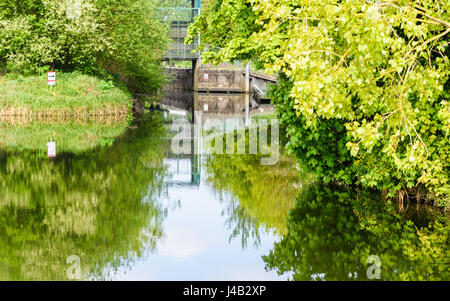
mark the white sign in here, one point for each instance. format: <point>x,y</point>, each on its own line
<point>51,149</point>
<point>205,76</point>
<point>51,78</point>
<point>205,107</point>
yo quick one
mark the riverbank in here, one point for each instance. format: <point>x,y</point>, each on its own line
<point>74,94</point>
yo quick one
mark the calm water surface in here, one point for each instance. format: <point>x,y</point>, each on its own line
<point>131,209</point>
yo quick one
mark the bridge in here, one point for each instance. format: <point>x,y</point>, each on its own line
<point>179,19</point>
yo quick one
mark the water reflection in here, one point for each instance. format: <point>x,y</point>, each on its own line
<point>131,209</point>
<point>260,196</point>
<point>101,206</point>
<point>71,134</point>
<point>332,230</point>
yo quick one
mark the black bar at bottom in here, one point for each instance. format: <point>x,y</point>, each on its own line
<point>214,290</point>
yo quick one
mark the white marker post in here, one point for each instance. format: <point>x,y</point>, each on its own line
<point>51,149</point>
<point>247,95</point>
<point>51,78</point>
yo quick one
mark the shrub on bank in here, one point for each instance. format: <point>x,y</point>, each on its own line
<point>95,37</point>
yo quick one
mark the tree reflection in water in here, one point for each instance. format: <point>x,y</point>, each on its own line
<point>261,195</point>
<point>333,230</point>
<point>327,232</point>
<point>101,205</point>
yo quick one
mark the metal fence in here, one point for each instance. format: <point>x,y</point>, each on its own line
<point>181,51</point>
<point>179,19</point>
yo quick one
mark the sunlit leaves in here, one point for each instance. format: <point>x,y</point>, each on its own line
<point>379,69</point>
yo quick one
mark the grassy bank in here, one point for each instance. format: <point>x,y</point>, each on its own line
<point>74,94</point>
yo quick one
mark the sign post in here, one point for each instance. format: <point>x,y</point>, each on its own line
<point>51,149</point>
<point>51,78</point>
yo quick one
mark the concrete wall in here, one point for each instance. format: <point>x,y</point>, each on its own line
<point>183,80</point>
<point>183,101</point>
<point>210,80</point>
<point>178,92</point>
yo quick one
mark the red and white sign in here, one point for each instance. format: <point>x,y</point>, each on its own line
<point>205,107</point>
<point>51,149</point>
<point>51,78</point>
<point>205,76</point>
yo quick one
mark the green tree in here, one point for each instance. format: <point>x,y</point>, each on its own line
<point>363,85</point>
<point>96,37</point>
<point>138,40</point>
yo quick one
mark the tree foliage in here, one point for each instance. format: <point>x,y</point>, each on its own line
<point>95,37</point>
<point>363,85</point>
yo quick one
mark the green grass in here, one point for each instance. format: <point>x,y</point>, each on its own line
<point>74,94</point>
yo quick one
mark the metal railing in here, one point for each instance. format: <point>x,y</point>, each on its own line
<point>179,18</point>
<point>181,51</point>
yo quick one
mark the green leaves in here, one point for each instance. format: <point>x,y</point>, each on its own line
<point>120,37</point>
<point>385,67</point>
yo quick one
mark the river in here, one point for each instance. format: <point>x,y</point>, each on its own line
<point>118,204</point>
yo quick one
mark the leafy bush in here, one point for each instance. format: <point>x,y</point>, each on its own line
<point>364,85</point>
<point>95,37</point>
